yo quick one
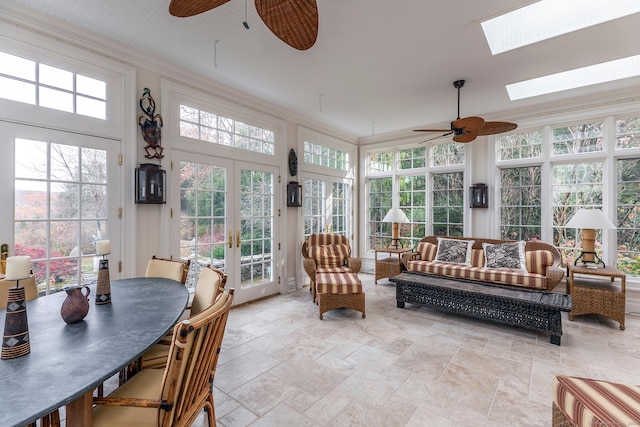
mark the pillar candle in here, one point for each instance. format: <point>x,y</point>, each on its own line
<point>18,267</point>
<point>103,247</point>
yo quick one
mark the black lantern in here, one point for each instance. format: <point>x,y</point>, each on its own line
<point>479,196</point>
<point>294,194</point>
<point>151,181</point>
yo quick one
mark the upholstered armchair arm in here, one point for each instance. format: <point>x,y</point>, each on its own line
<point>309,265</point>
<point>354,264</point>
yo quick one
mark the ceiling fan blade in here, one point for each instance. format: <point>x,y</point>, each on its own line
<point>432,130</point>
<point>465,137</point>
<point>436,137</point>
<point>470,123</point>
<point>186,8</point>
<point>491,128</point>
<point>295,22</point>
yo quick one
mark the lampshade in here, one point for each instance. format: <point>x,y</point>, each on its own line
<point>395,215</point>
<point>590,219</point>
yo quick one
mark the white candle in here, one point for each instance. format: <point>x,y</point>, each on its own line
<point>18,267</point>
<point>103,247</point>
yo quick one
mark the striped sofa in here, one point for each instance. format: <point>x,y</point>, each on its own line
<point>584,402</point>
<point>542,261</point>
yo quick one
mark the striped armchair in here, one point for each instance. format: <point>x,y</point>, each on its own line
<point>327,253</point>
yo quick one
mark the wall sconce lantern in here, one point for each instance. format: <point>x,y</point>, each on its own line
<point>294,194</point>
<point>151,182</point>
<point>479,196</point>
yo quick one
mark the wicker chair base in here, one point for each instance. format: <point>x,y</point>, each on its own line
<point>538,311</point>
<point>327,302</point>
<point>559,418</point>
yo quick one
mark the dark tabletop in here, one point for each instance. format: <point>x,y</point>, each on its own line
<point>68,360</point>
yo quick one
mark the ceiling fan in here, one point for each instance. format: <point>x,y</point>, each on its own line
<point>295,22</point>
<point>469,128</point>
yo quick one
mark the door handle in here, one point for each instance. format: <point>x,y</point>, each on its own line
<point>230,242</point>
<point>237,238</point>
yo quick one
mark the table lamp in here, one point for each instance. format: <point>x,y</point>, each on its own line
<point>15,339</point>
<point>589,220</point>
<point>395,215</point>
<point>103,290</point>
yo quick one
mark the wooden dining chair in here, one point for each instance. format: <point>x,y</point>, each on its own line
<point>168,268</point>
<point>177,394</point>
<point>211,284</point>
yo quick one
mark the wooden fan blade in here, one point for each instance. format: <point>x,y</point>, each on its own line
<point>491,128</point>
<point>295,22</point>
<point>432,130</point>
<point>470,123</point>
<point>465,137</point>
<point>186,8</point>
<point>436,137</point>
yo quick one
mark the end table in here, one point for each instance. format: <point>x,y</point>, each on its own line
<point>604,297</point>
<point>390,266</point>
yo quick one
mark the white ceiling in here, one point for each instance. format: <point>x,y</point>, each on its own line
<point>378,66</point>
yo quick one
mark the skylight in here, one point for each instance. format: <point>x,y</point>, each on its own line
<point>579,77</point>
<point>550,18</point>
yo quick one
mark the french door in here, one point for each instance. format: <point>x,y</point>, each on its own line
<point>61,194</point>
<point>228,219</point>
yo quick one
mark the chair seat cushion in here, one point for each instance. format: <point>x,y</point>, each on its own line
<point>147,384</point>
<point>340,269</point>
<point>338,283</point>
<point>589,402</point>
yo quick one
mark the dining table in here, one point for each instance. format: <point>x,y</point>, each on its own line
<point>67,362</point>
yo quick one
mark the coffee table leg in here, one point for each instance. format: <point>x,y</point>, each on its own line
<point>400,304</point>
<point>555,339</point>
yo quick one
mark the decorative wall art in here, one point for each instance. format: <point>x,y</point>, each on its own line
<point>151,126</point>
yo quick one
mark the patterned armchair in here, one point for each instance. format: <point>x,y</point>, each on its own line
<point>328,253</point>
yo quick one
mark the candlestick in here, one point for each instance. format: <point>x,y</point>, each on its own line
<point>103,247</point>
<point>18,267</point>
<point>103,290</point>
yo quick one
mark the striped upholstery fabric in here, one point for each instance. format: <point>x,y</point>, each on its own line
<point>343,283</point>
<point>332,255</point>
<point>337,269</point>
<point>327,239</point>
<point>460,271</point>
<point>477,258</point>
<point>427,251</point>
<point>588,402</point>
<point>538,261</point>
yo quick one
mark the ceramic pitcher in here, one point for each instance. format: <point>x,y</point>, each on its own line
<point>76,306</point>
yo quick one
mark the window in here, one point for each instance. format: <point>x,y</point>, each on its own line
<point>447,154</point>
<point>31,82</point>
<point>314,206</point>
<point>340,218</point>
<point>380,201</point>
<point>520,203</point>
<point>448,201</point>
<point>520,146</point>
<point>380,162</point>
<point>413,194</point>
<point>210,127</point>
<point>577,139</point>
<point>628,221</point>
<point>628,133</point>
<point>60,210</point>
<point>413,158</point>
<point>321,155</point>
<point>575,185</point>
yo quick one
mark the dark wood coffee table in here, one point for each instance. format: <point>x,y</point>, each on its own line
<point>529,309</point>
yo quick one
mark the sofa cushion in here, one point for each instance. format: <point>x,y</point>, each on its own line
<point>454,251</point>
<point>505,256</point>
<point>329,255</point>
<point>427,251</point>
<point>458,271</point>
<point>537,261</point>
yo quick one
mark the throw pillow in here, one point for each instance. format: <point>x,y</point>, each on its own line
<point>329,255</point>
<point>454,251</point>
<point>505,256</point>
<point>427,251</point>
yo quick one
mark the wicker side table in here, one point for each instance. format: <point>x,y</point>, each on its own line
<point>592,296</point>
<point>391,266</point>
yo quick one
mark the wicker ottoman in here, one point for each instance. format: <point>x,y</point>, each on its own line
<point>338,290</point>
<point>579,402</point>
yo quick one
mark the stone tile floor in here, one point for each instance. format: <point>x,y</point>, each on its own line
<point>282,366</point>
